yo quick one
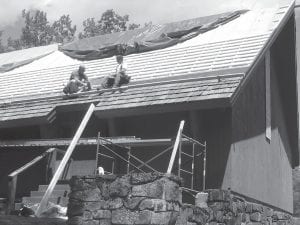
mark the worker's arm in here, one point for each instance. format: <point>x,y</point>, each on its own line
<point>123,68</point>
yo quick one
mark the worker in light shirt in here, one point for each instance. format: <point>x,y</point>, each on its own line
<point>121,70</point>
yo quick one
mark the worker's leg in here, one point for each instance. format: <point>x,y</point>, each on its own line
<point>89,86</point>
<point>117,80</point>
<point>73,87</point>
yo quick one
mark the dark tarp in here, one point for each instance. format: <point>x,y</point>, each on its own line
<point>144,39</point>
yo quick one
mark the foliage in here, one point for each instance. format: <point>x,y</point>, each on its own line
<point>109,22</point>
<point>13,44</point>
<point>37,30</point>
<point>62,30</point>
<point>2,49</point>
<point>90,29</point>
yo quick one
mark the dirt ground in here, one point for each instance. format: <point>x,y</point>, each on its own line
<point>20,220</point>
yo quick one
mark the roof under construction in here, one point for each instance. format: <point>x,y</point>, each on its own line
<point>206,68</point>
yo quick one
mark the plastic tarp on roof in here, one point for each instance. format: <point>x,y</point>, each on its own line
<point>144,39</point>
<point>14,59</point>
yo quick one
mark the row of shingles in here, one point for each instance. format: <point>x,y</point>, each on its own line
<point>182,56</point>
<point>154,95</point>
<point>40,108</point>
<point>27,110</point>
<point>208,84</point>
<point>189,65</point>
<point>98,62</point>
<point>170,93</point>
<point>204,56</point>
<point>52,80</point>
<point>163,99</point>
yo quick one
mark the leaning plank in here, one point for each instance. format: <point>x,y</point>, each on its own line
<point>64,161</point>
<point>179,134</point>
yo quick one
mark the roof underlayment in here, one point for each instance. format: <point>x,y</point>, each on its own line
<point>230,48</point>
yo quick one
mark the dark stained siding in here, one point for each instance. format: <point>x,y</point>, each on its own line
<point>218,136</point>
<point>259,169</point>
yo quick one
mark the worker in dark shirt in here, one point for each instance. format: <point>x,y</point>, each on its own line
<point>78,82</point>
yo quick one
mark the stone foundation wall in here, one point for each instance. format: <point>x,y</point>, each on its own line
<point>156,199</point>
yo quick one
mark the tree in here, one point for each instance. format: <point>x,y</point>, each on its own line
<point>109,22</point>
<point>13,44</point>
<point>62,29</point>
<point>37,30</point>
<point>133,26</point>
<point>90,29</point>
<point>2,49</point>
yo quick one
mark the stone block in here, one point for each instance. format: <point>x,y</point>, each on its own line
<point>248,207</point>
<point>282,222</point>
<point>173,206</point>
<point>216,206</point>
<point>75,220</point>
<point>102,214</point>
<point>123,216</point>
<point>143,178</point>
<point>191,223</point>
<point>244,217</point>
<point>163,218</point>
<point>160,189</point>
<point>105,222</point>
<point>158,205</point>
<point>87,215</point>
<point>257,208</point>
<point>212,223</point>
<point>280,216</point>
<point>254,223</point>
<point>150,190</point>
<point>241,206</point>
<point>75,208</point>
<point>200,216</point>
<point>218,216</point>
<point>94,206</point>
<point>86,195</point>
<point>147,204</point>
<point>255,217</point>
<point>115,203</point>
<point>80,184</point>
<point>171,190</point>
<point>103,183</point>
<point>185,214</point>
<point>201,200</point>
<point>233,208</point>
<point>133,203</point>
<point>91,222</point>
<point>105,177</point>
<point>215,195</point>
<point>120,187</point>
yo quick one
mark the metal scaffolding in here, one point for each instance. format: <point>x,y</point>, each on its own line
<point>134,163</point>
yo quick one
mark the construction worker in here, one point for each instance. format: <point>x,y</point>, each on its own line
<point>119,77</point>
<point>120,71</point>
<point>78,82</point>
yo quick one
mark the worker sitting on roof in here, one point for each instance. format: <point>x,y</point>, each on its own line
<point>119,77</point>
<point>78,82</point>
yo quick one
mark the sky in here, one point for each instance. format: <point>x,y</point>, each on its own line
<point>139,11</point>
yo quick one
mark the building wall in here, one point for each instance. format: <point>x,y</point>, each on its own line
<point>212,126</point>
<point>259,168</point>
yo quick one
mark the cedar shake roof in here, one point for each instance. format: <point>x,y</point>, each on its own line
<point>208,67</point>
